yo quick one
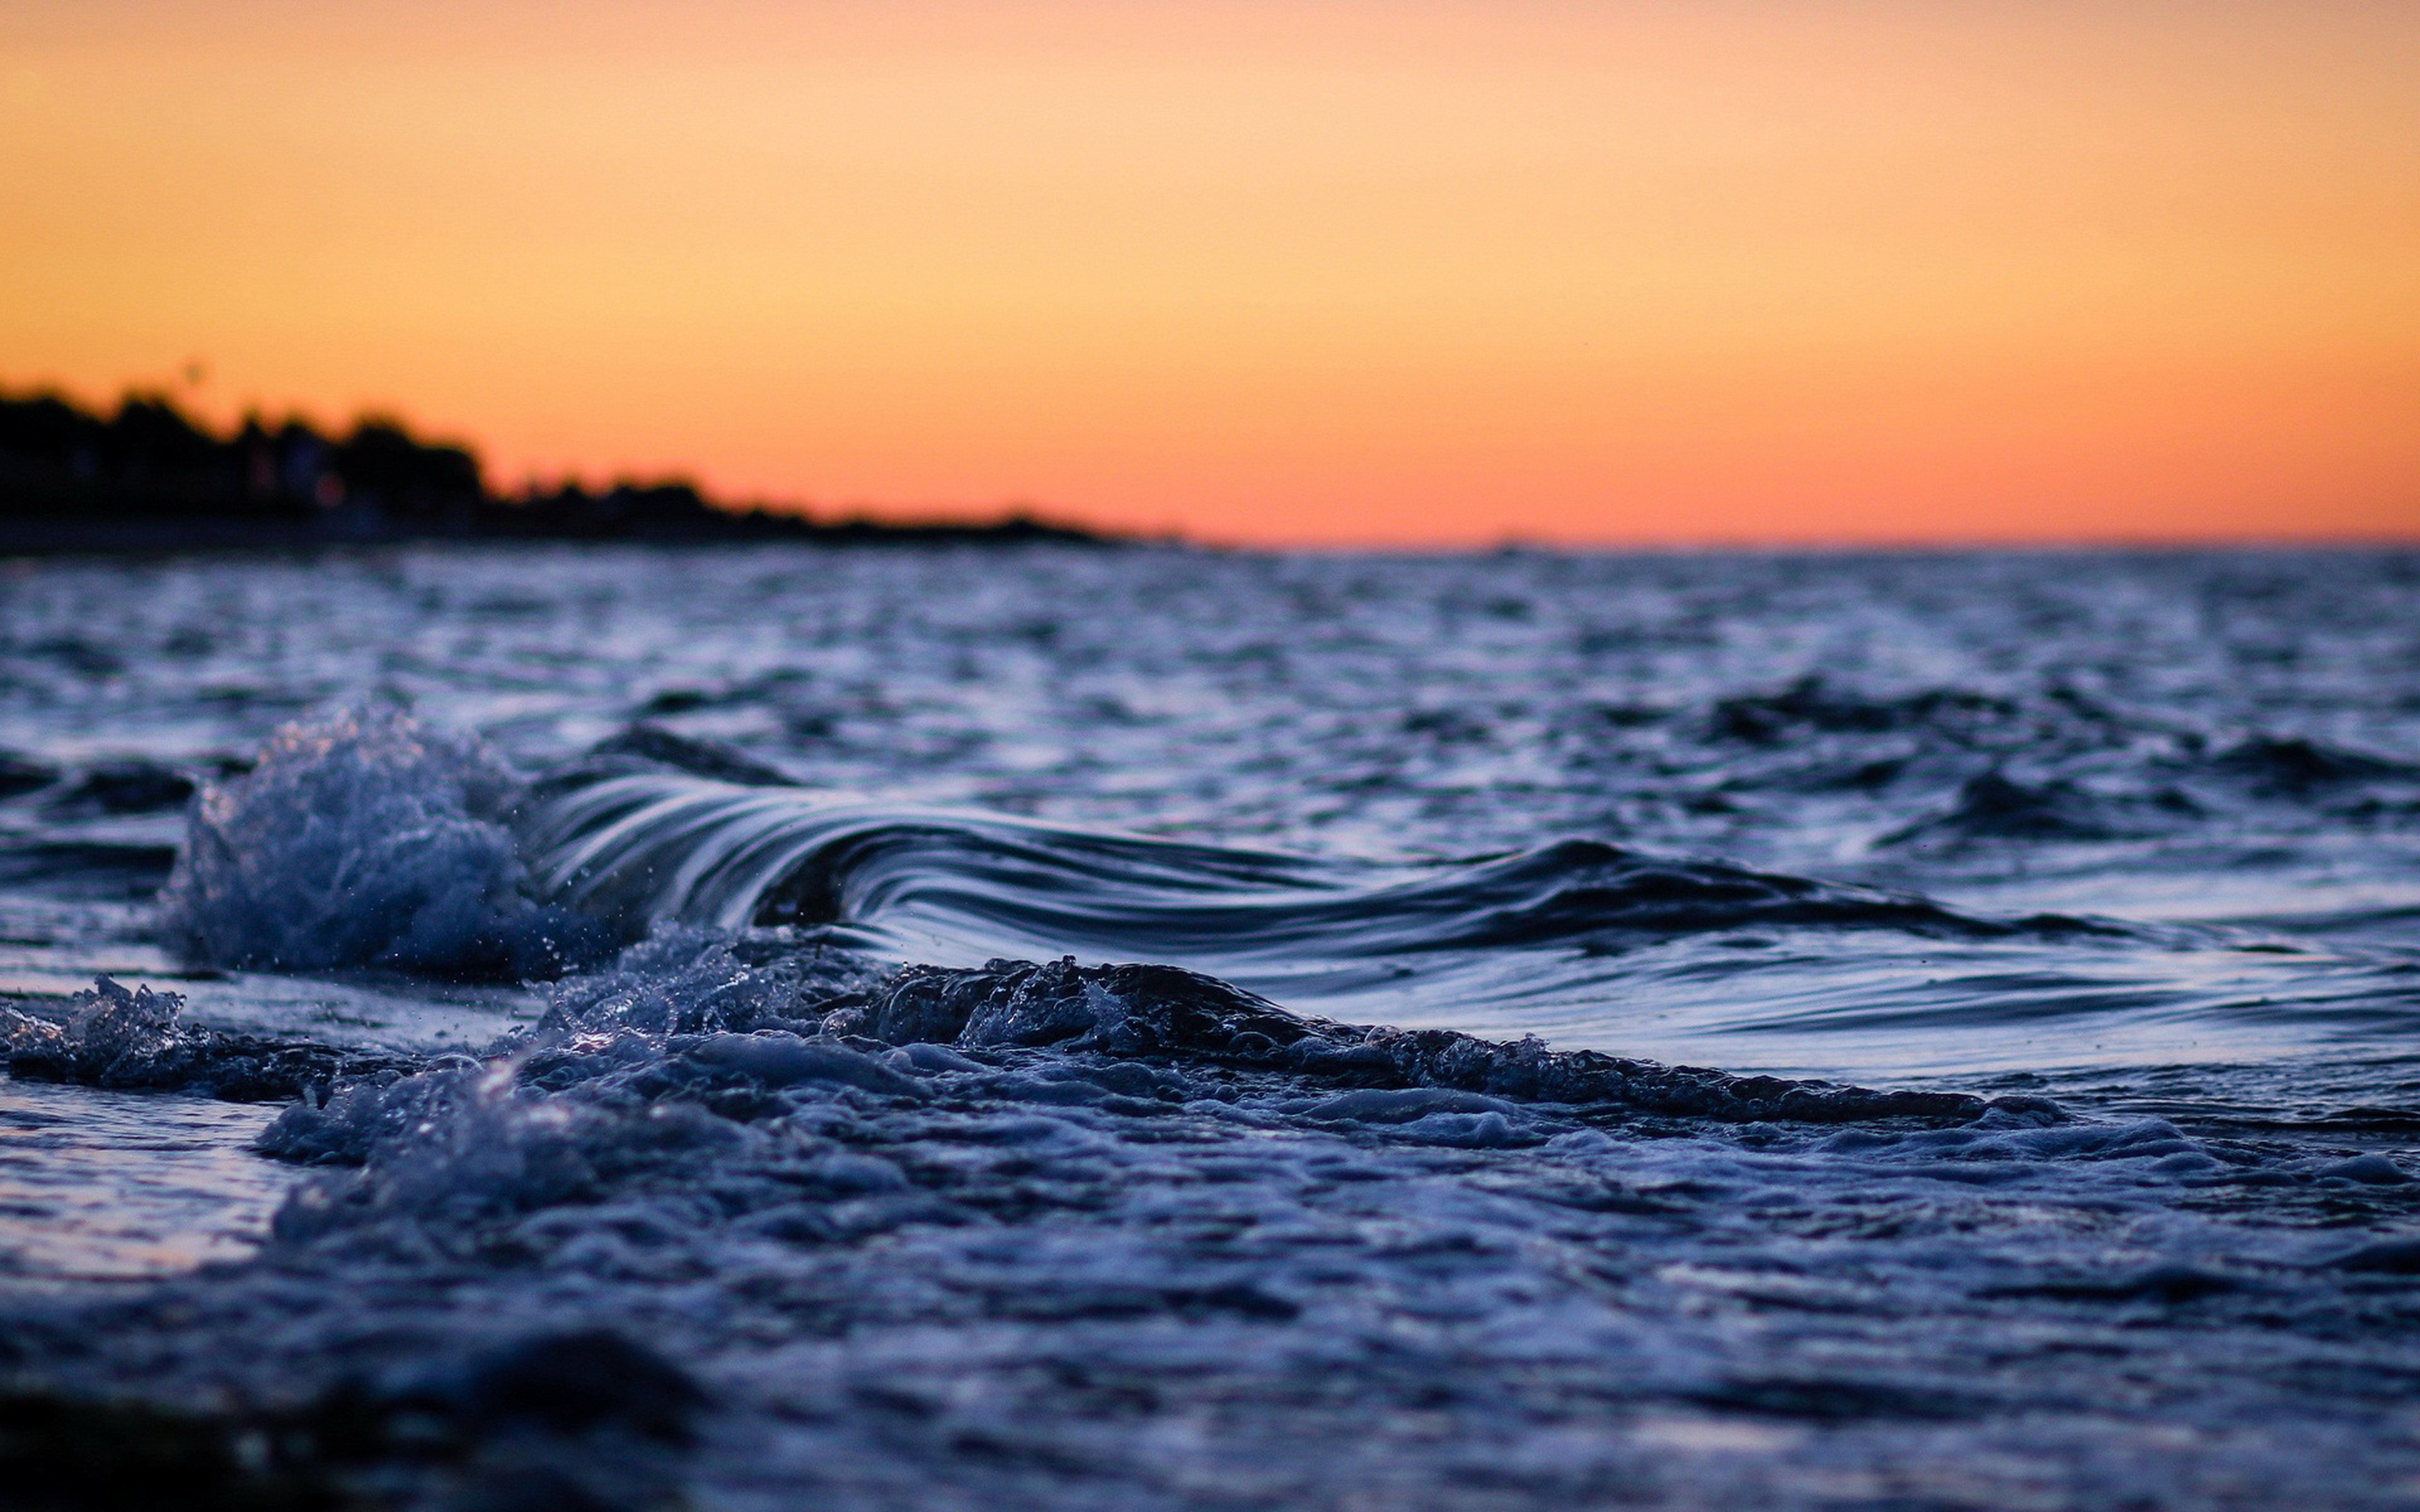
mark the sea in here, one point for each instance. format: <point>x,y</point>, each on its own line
<point>1143,1026</point>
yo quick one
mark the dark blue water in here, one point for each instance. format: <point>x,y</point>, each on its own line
<point>2050,925</point>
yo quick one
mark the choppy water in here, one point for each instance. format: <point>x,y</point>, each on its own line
<point>2101,871</point>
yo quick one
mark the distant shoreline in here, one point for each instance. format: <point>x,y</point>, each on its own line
<point>148,479</point>
<point>135,535</point>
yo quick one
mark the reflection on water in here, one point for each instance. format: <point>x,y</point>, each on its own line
<point>102,1186</point>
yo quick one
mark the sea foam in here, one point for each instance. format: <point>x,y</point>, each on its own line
<point>366,838</point>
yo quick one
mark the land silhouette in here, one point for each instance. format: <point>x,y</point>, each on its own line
<point>150,477</point>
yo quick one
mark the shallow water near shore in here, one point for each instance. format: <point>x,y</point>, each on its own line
<point>2051,923</point>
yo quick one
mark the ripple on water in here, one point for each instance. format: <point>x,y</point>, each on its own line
<point>101,1185</point>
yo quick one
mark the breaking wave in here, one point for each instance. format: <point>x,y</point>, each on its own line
<point>367,840</point>
<point>372,841</point>
<point>956,887</point>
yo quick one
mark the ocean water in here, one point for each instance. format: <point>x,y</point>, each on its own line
<point>1148,1028</point>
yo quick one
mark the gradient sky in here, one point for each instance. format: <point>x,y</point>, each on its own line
<point>1327,271</point>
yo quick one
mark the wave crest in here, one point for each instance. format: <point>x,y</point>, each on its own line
<point>959,887</point>
<point>367,839</point>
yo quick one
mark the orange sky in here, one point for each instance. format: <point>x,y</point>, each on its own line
<point>1331,270</point>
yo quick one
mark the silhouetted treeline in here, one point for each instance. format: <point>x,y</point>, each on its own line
<point>149,477</point>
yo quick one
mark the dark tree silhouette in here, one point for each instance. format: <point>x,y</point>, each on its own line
<point>149,477</point>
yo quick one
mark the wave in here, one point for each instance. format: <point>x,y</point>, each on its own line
<point>2297,767</point>
<point>21,774</point>
<point>85,869</point>
<point>140,1041</point>
<point>752,1012</point>
<point>122,787</point>
<point>370,841</point>
<point>1994,807</point>
<point>2170,795</point>
<point>367,840</point>
<point>1814,705</point>
<point>2046,766</point>
<point>956,886</point>
<point>1027,1207</point>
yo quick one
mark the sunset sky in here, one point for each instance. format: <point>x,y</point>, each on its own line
<point>1332,270</point>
